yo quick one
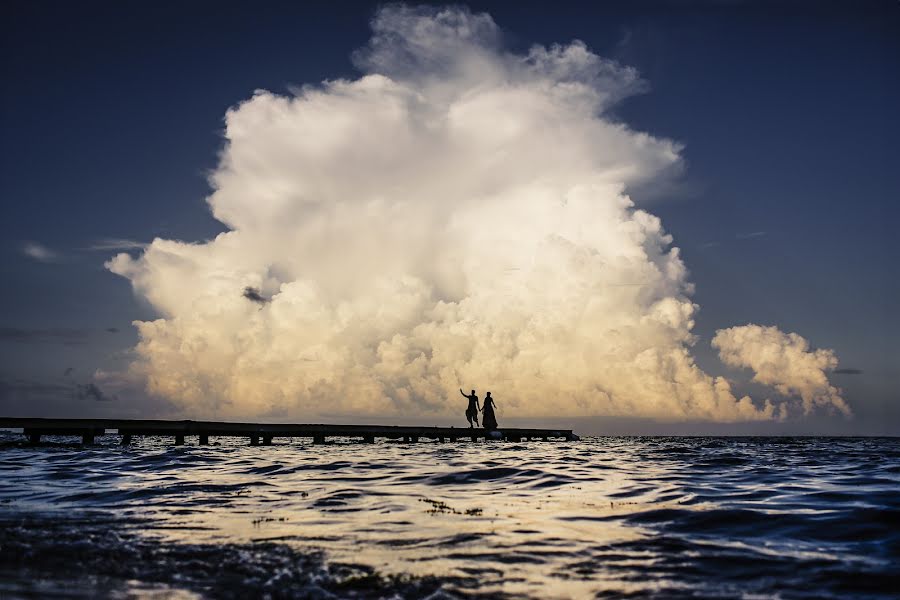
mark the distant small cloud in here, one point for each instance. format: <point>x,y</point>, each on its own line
<point>122,354</point>
<point>738,236</point>
<point>102,388</point>
<point>117,244</point>
<point>253,294</point>
<point>90,391</point>
<point>848,371</point>
<point>784,361</point>
<point>28,389</point>
<point>39,252</point>
<point>52,335</point>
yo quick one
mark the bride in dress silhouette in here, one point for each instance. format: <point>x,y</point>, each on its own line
<point>488,419</point>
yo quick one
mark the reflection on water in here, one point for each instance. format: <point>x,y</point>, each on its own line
<point>807,517</point>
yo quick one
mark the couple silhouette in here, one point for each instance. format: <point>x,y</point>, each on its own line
<point>488,420</point>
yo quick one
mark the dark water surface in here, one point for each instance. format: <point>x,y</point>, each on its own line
<point>670,517</point>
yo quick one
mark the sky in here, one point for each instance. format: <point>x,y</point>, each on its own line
<point>639,218</point>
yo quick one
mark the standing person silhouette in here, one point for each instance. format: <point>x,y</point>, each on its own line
<point>488,418</point>
<point>472,410</point>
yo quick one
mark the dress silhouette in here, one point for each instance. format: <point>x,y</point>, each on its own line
<point>488,419</point>
<point>472,410</point>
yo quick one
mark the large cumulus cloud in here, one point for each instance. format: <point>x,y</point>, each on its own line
<point>457,216</point>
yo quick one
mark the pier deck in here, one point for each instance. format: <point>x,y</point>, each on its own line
<point>264,433</point>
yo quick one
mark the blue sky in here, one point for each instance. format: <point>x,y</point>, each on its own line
<point>112,117</point>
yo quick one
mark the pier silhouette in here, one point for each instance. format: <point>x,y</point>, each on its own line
<point>264,433</point>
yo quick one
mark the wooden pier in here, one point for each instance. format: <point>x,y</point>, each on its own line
<point>264,433</point>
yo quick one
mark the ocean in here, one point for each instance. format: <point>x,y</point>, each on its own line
<point>669,517</point>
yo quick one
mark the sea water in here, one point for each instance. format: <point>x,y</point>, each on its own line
<point>600,517</point>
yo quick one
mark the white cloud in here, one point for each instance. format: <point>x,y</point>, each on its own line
<point>783,361</point>
<point>456,217</point>
<point>39,252</point>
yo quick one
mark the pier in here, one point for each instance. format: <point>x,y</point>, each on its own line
<point>265,433</point>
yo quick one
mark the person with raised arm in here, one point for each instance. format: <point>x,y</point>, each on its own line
<point>472,410</point>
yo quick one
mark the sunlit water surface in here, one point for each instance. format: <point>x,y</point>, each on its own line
<point>691,517</point>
